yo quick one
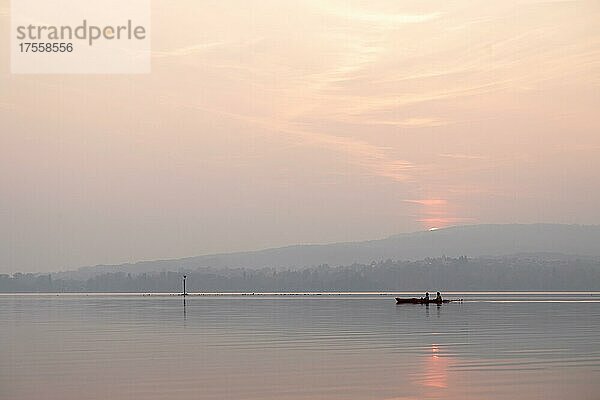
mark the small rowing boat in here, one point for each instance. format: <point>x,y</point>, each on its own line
<point>415,300</point>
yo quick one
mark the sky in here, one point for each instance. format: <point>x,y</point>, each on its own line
<point>267,123</point>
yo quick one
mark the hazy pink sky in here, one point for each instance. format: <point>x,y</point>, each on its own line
<point>267,123</point>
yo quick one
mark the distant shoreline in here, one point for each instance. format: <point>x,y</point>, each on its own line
<point>301,294</point>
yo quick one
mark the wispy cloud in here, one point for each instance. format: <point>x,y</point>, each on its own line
<point>461,156</point>
<point>364,154</point>
<point>410,122</point>
<point>361,153</point>
<point>346,11</point>
<point>187,50</point>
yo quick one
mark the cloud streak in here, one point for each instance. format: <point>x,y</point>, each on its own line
<point>374,159</point>
<point>188,50</point>
<point>348,12</point>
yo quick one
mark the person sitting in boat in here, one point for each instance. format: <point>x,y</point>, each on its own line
<point>438,298</point>
<point>426,296</point>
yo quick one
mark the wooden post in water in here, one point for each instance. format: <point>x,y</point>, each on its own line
<point>184,292</point>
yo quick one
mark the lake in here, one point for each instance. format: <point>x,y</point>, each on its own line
<point>358,346</point>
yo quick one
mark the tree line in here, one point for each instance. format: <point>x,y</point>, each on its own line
<point>444,273</point>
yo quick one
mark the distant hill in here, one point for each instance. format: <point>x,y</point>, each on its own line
<point>470,240</point>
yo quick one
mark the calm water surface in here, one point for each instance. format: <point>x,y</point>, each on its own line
<point>492,346</point>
